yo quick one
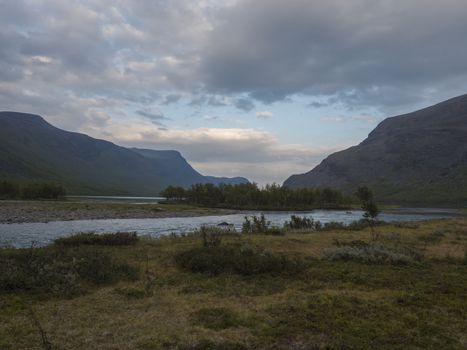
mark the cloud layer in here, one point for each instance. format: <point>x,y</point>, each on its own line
<point>93,65</point>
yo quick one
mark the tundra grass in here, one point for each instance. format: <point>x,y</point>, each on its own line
<point>328,305</point>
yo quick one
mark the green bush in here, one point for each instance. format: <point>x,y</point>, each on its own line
<point>299,223</point>
<point>238,259</point>
<point>211,235</point>
<point>258,225</point>
<point>90,238</point>
<point>372,254</point>
<point>59,271</point>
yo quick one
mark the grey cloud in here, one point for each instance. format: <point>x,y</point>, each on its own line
<point>244,104</point>
<point>173,98</point>
<point>391,54</point>
<point>155,117</point>
<point>362,50</point>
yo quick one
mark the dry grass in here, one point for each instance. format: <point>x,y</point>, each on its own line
<point>332,304</point>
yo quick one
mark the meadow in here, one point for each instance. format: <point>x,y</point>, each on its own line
<point>400,287</point>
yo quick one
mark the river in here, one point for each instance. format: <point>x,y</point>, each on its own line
<point>25,234</point>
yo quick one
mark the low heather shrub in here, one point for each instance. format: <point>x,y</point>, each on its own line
<point>372,254</point>
<point>238,259</point>
<point>91,238</point>
<point>60,271</point>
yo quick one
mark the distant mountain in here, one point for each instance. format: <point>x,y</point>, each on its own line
<point>32,149</point>
<point>180,171</point>
<point>418,158</point>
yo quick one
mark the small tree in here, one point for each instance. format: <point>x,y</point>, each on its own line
<point>174,193</point>
<point>368,205</point>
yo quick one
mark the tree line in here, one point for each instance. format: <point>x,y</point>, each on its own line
<point>251,196</point>
<point>30,190</point>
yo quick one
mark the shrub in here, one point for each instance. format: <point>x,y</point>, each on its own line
<point>299,223</point>
<point>409,225</point>
<point>372,254</point>
<point>258,224</point>
<point>211,235</point>
<point>356,225</point>
<point>238,259</point>
<point>59,271</point>
<point>433,237</point>
<point>91,238</point>
<point>355,243</point>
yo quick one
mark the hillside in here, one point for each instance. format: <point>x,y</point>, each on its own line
<point>32,149</point>
<point>418,158</point>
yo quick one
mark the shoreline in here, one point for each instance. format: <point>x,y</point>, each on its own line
<point>19,212</point>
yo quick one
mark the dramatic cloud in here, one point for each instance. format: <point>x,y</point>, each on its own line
<point>361,51</point>
<point>88,63</point>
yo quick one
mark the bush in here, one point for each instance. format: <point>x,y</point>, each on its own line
<point>356,225</point>
<point>409,225</point>
<point>372,254</point>
<point>238,259</point>
<point>90,238</point>
<point>299,223</point>
<point>433,237</point>
<point>59,271</point>
<point>211,235</point>
<point>258,224</point>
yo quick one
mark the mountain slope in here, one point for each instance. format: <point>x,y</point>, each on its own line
<point>180,171</point>
<point>32,149</point>
<point>419,157</point>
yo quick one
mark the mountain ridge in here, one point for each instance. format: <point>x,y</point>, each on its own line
<point>410,158</point>
<point>33,149</point>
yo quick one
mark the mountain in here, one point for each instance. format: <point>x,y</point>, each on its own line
<point>32,149</point>
<point>180,171</point>
<point>418,158</point>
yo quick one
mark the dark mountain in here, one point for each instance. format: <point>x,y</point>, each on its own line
<point>180,171</point>
<point>32,149</point>
<point>418,158</point>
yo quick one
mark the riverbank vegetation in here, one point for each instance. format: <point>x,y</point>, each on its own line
<point>30,190</point>
<point>249,196</point>
<point>403,287</point>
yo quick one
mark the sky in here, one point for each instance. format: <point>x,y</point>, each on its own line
<point>256,88</point>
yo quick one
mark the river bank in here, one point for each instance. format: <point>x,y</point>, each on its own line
<point>47,211</point>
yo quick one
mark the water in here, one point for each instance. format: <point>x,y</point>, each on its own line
<point>22,235</point>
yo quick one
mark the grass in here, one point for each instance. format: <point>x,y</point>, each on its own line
<point>332,304</point>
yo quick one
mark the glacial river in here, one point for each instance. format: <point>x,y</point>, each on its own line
<point>23,235</point>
